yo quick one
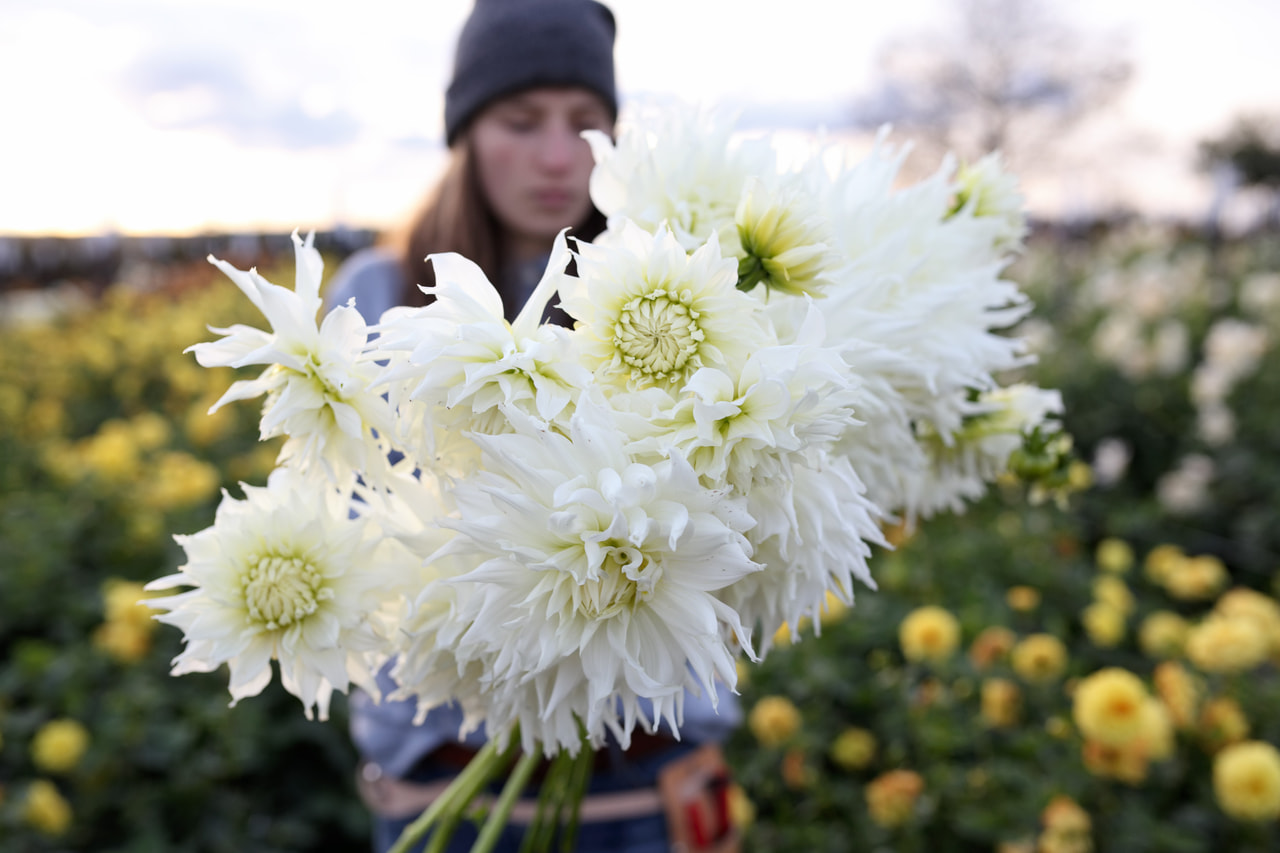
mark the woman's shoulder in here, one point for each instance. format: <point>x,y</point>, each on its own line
<point>373,277</point>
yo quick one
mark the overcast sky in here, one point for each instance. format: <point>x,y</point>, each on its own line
<point>162,116</point>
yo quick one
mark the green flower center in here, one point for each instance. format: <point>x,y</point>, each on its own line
<point>656,334</point>
<point>279,591</point>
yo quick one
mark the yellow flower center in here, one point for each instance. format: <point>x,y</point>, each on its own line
<point>1122,707</point>
<point>656,334</point>
<point>279,591</point>
<point>626,576</point>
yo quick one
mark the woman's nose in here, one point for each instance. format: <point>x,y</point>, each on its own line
<point>560,145</point>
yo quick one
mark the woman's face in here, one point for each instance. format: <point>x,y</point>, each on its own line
<point>534,165</point>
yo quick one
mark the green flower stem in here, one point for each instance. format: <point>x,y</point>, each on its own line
<point>551,800</point>
<point>457,796</point>
<point>751,272</point>
<point>501,813</point>
<point>444,830</point>
<point>558,803</point>
<point>580,775</point>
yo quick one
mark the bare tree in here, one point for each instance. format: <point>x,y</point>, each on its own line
<point>1005,74</point>
<point>1248,153</point>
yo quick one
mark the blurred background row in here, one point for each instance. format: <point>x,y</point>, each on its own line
<point>208,116</point>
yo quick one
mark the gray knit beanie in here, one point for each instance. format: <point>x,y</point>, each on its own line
<point>507,46</point>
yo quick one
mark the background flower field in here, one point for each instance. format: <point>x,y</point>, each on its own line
<point>951,710</point>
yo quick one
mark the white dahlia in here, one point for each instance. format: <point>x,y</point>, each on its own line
<point>317,378</point>
<point>742,428</point>
<point>462,360</point>
<point>922,283</point>
<point>593,582</point>
<point>784,240</point>
<point>650,314</point>
<point>961,466</point>
<point>986,190</point>
<point>676,166</point>
<point>285,574</point>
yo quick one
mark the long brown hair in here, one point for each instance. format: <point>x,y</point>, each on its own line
<point>457,217</point>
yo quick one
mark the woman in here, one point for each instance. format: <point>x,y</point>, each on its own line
<point>529,76</point>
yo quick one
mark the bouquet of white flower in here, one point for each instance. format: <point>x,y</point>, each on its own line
<point>766,365</point>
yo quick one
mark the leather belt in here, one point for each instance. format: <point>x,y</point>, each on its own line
<point>643,745</point>
<point>396,798</point>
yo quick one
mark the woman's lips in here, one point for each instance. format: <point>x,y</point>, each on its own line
<point>552,199</point>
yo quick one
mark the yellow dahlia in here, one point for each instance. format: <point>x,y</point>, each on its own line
<point>891,797</point>
<point>1039,658</point>
<point>1246,780</point>
<point>929,633</point>
<point>1108,706</point>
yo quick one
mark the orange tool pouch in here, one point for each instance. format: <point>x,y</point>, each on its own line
<point>695,799</point>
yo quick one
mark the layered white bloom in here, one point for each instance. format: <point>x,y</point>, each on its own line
<point>285,575</point>
<point>910,277</point>
<point>455,362</point>
<point>784,240</point>
<point>650,314</point>
<point>1111,461</point>
<point>920,305</point>
<point>743,428</point>
<point>1185,489</point>
<point>921,284</point>
<point>987,190</point>
<point>317,379</point>
<point>678,167</point>
<point>962,466</point>
<point>594,583</point>
<point>684,169</point>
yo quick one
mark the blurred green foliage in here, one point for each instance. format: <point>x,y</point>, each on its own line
<point>105,451</point>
